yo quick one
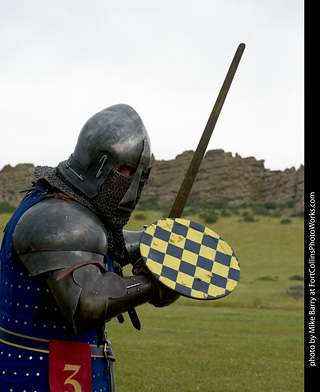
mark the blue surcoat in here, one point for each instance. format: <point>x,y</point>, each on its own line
<point>28,310</point>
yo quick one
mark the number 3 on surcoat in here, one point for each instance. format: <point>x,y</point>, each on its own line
<point>69,380</point>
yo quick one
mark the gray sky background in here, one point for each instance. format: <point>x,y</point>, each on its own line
<point>64,60</point>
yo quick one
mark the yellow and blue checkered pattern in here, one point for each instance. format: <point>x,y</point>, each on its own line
<point>190,258</point>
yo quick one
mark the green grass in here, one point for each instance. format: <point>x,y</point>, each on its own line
<point>248,341</point>
<point>265,248</point>
<point>4,218</point>
<point>183,348</point>
<point>251,340</point>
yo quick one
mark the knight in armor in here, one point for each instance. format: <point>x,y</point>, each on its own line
<point>62,256</point>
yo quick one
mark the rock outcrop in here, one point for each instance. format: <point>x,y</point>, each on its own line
<point>228,178</point>
<point>222,177</point>
<point>12,180</point>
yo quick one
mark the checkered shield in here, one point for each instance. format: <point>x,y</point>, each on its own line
<point>190,258</point>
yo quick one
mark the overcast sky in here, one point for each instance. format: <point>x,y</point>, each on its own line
<point>64,60</point>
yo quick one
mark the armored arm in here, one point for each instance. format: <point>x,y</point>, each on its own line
<point>132,241</point>
<point>101,295</point>
<point>64,243</point>
<point>164,295</point>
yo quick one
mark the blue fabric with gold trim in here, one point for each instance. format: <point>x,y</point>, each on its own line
<point>21,295</point>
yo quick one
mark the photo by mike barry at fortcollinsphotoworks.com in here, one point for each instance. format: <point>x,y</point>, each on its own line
<point>311,338</point>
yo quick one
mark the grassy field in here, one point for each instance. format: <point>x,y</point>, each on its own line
<point>251,340</point>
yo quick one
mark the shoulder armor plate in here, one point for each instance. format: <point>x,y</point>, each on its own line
<point>60,231</point>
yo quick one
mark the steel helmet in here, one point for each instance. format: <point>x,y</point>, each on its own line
<point>113,137</point>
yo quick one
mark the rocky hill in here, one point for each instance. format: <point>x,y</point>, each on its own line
<point>222,177</point>
<point>232,179</point>
<point>13,179</point>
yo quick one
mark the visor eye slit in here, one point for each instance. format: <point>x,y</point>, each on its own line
<point>127,171</point>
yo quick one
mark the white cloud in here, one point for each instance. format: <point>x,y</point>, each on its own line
<point>64,61</point>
